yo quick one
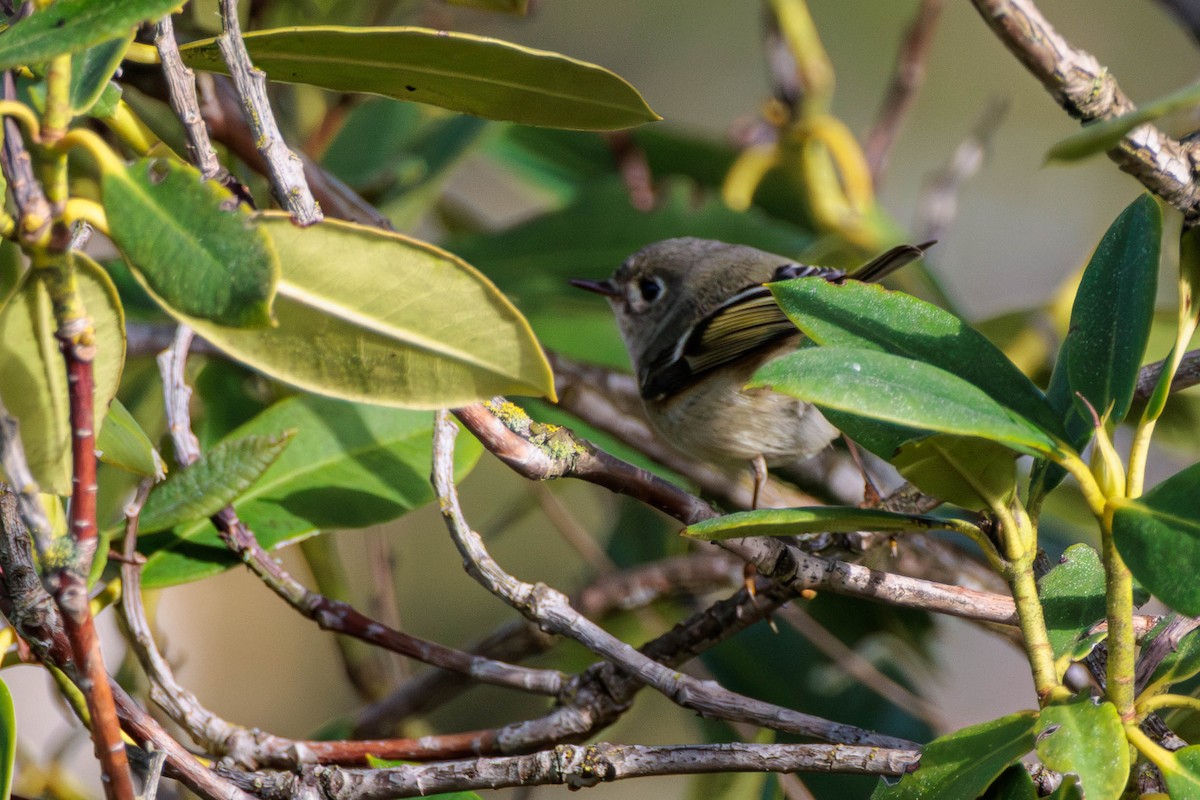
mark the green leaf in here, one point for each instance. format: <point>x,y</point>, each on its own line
<point>1013,784</point>
<point>68,26</point>
<point>1182,773</point>
<point>8,741</point>
<point>124,444</point>
<point>471,74</point>
<point>1069,789</point>
<point>894,389</point>
<point>964,763</point>
<point>1087,739</point>
<point>34,387</point>
<point>1113,311</point>
<point>190,243</point>
<point>348,466</point>
<point>371,316</point>
<point>1072,597</point>
<point>92,70</point>
<point>219,477</point>
<point>968,472</point>
<point>817,519</point>
<point>1103,135</point>
<point>862,315</point>
<point>1158,536</point>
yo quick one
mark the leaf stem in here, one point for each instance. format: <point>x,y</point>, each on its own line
<point>1168,701</point>
<point>1119,612</point>
<point>1140,448</point>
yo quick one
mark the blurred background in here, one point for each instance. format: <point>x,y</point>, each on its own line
<point>1022,229</point>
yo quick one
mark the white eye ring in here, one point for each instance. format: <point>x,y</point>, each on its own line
<point>650,290</point>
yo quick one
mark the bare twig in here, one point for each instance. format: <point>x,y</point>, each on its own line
<point>579,767</point>
<point>181,86</point>
<point>1187,375</point>
<point>285,169</point>
<point>1163,645</point>
<point>552,611</point>
<point>1087,91</point>
<point>907,79</point>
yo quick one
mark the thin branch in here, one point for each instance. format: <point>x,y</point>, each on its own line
<point>181,86</point>
<point>284,168</point>
<point>906,83</point>
<point>579,767</point>
<point>1187,375</point>
<point>1087,91</point>
<point>1165,643</point>
<point>552,611</point>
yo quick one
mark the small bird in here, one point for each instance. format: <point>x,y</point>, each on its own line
<point>698,321</point>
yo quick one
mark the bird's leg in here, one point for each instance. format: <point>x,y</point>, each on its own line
<point>871,495</point>
<point>759,464</point>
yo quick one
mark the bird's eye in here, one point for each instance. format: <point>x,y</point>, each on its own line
<point>651,289</point>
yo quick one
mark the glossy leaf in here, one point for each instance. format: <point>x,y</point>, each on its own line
<point>1072,597</point>
<point>1103,135</point>
<point>190,243</point>
<point>8,741</point>
<point>893,389</point>
<point>968,472</point>
<point>818,519</point>
<point>1158,536</point>
<point>869,316</point>
<point>68,26</point>
<point>964,763</point>
<point>1087,739</point>
<point>92,70</point>
<point>202,489</point>
<point>1182,773</point>
<point>348,466</point>
<point>371,316</point>
<point>34,387</point>
<point>471,74</point>
<point>124,444</point>
<point>1113,311</point>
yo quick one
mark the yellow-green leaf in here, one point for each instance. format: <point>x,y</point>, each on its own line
<point>124,444</point>
<point>380,318</point>
<point>34,387</point>
<point>472,74</point>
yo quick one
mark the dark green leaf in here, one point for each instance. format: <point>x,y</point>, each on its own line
<point>1097,137</point>
<point>68,26</point>
<point>818,519</point>
<point>1072,597</point>
<point>968,472</point>
<point>894,389</point>
<point>191,243</point>
<point>1013,784</point>
<point>1087,739</point>
<point>202,489</point>
<point>348,466</point>
<point>92,69</point>
<point>868,316</point>
<point>1158,536</point>
<point>471,74</point>
<point>1113,310</point>
<point>964,763</point>
<point>124,444</point>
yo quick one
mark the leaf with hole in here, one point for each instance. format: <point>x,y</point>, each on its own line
<point>470,74</point>
<point>966,762</point>
<point>69,26</point>
<point>376,317</point>
<point>190,243</point>
<point>882,386</point>
<point>348,466</point>
<point>34,388</point>
<point>1086,738</point>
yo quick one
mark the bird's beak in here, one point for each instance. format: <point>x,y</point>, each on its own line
<point>604,287</point>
